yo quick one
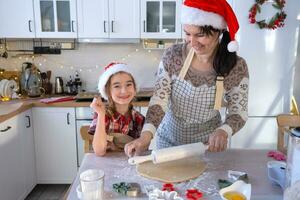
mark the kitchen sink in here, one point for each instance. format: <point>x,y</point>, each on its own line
<point>6,108</point>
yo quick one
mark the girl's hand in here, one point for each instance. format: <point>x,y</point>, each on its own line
<point>218,141</point>
<point>98,106</point>
<point>138,146</point>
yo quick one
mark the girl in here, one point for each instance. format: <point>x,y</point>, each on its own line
<point>117,85</point>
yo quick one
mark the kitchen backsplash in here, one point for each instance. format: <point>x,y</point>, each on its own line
<point>90,59</point>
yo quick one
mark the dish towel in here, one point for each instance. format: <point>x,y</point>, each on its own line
<point>57,99</point>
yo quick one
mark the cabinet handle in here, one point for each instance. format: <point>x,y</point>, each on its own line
<point>29,124</point>
<point>112,26</point>
<point>68,118</point>
<point>6,129</point>
<point>104,26</point>
<point>144,26</point>
<point>73,26</point>
<point>29,25</point>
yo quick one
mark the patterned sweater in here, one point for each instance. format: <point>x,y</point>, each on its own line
<point>235,85</point>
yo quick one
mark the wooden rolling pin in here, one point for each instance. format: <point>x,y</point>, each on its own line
<point>171,153</point>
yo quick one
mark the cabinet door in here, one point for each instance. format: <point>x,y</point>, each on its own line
<point>25,131</point>
<point>11,177</point>
<point>160,19</point>
<point>55,18</point>
<point>55,144</point>
<point>16,19</point>
<point>93,19</point>
<point>124,16</point>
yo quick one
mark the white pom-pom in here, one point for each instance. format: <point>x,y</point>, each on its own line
<point>233,46</point>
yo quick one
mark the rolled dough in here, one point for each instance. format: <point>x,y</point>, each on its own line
<point>173,171</point>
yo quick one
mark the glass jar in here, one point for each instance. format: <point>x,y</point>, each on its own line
<point>293,157</point>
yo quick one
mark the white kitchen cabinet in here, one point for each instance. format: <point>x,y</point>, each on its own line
<point>108,19</point>
<point>55,18</point>
<point>27,152</point>
<point>55,144</point>
<point>160,19</point>
<point>11,179</point>
<point>17,166</point>
<point>17,19</point>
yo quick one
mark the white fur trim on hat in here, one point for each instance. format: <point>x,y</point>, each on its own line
<point>195,16</point>
<point>233,46</point>
<point>120,67</point>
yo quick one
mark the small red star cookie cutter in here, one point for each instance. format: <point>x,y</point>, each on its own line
<point>168,187</point>
<point>193,194</point>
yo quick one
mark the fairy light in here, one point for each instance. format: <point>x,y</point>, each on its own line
<point>43,61</point>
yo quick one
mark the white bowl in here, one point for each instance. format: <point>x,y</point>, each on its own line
<point>238,186</point>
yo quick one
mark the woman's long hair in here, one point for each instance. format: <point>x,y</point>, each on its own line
<point>224,60</point>
<point>111,107</point>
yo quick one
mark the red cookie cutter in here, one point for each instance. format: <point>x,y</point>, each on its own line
<point>168,187</point>
<point>193,194</point>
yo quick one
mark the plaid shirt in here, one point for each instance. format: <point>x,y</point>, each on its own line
<point>130,125</point>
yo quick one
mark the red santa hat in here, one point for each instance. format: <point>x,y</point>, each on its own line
<point>110,70</point>
<point>216,13</point>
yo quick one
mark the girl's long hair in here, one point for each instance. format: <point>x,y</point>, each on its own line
<point>111,107</point>
<point>224,60</point>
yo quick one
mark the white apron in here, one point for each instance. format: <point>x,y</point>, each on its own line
<point>191,116</point>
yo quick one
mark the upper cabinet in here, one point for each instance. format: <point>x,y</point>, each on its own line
<point>55,18</point>
<point>16,19</point>
<point>160,19</point>
<point>108,19</point>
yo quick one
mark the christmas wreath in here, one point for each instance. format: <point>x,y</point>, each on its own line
<point>276,21</point>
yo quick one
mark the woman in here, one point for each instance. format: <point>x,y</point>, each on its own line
<point>182,110</point>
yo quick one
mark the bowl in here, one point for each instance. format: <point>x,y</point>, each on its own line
<point>238,186</point>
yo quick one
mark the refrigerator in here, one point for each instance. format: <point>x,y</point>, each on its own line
<point>271,57</point>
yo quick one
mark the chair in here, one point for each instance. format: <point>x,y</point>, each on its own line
<point>294,107</point>
<point>87,138</point>
<point>285,122</point>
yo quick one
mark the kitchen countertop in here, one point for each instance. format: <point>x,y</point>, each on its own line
<point>253,162</point>
<point>29,103</point>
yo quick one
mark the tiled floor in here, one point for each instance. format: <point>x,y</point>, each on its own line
<point>48,192</point>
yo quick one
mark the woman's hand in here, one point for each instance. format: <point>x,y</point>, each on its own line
<point>136,147</point>
<point>98,106</point>
<point>218,141</point>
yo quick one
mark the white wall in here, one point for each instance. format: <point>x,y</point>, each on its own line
<point>296,91</point>
<point>90,59</point>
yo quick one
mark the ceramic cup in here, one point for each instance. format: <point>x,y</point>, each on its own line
<point>92,184</point>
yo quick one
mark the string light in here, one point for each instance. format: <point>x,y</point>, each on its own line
<point>43,61</point>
